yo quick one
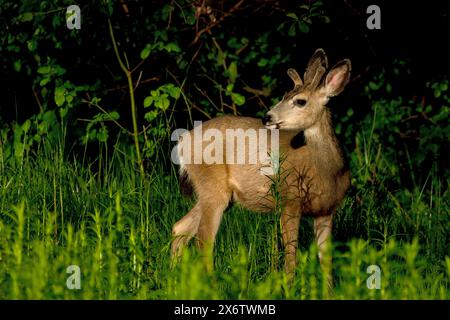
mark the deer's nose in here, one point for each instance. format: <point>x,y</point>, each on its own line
<point>266,119</point>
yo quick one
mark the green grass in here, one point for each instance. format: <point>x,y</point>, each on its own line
<point>56,212</point>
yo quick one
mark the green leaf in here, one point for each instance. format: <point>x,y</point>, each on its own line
<point>292,30</point>
<point>220,57</point>
<point>149,116</point>
<point>172,90</point>
<point>326,19</point>
<point>69,99</point>
<point>17,65</point>
<point>27,16</point>
<point>92,134</point>
<point>172,46</point>
<point>102,134</point>
<point>59,96</point>
<point>232,69</point>
<point>303,26</point>
<point>148,101</point>
<point>31,45</point>
<point>373,85</point>
<point>161,34</point>
<point>26,126</point>
<point>437,93</point>
<point>262,62</point>
<point>146,52</point>
<point>388,88</point>
<point>350,112</point>
<point>165,12</point>
<point>238,99</point>
<point>59,70</point>
<point>44,69</point>
<point>114,115</point>
<point>292,15</point>
<point>44,81</point>
<point>317,4</point>
<point>63,112</point>
<point>164,103</point>
<point>191,19</point>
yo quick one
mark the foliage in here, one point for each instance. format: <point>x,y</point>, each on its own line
<point>207,71</point>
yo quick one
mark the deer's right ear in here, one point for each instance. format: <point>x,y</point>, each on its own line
<point>293,74</point>
<point>338,78</point>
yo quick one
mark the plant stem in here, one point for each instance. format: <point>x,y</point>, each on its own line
<point>128,74</point>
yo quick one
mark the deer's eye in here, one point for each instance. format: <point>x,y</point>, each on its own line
<point>300,102</point>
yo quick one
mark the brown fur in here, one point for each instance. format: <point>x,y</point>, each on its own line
<point>312,175</point>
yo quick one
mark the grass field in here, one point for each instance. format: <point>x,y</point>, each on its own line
<point>102,216</point>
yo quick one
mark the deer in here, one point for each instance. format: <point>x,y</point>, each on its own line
<point>315,177</point>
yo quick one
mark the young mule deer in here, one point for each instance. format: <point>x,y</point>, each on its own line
<point>314,176</point>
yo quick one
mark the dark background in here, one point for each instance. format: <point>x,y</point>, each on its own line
<point>415,32</point>
<point>413,39</point>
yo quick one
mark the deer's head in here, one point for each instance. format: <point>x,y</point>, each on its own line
<point>303,106</point>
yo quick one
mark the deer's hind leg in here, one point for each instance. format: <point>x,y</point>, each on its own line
<point>212,211</point>
<point>204,219</point>
<point>184,229</point>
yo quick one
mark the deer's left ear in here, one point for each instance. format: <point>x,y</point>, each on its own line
<point>293,74</point>
<point>317,61</point>
<point>338,78</point>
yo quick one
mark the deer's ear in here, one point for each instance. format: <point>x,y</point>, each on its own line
<point>293,74</point>
<point>338,78</point>
<point>318,60</point>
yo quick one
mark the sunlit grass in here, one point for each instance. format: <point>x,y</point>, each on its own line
<point>57,212</point>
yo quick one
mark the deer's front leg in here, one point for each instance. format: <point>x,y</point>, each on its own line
<point>290,221</point>
<point>323,226</point>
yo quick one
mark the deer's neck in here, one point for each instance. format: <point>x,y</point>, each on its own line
<point>324,148</point>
